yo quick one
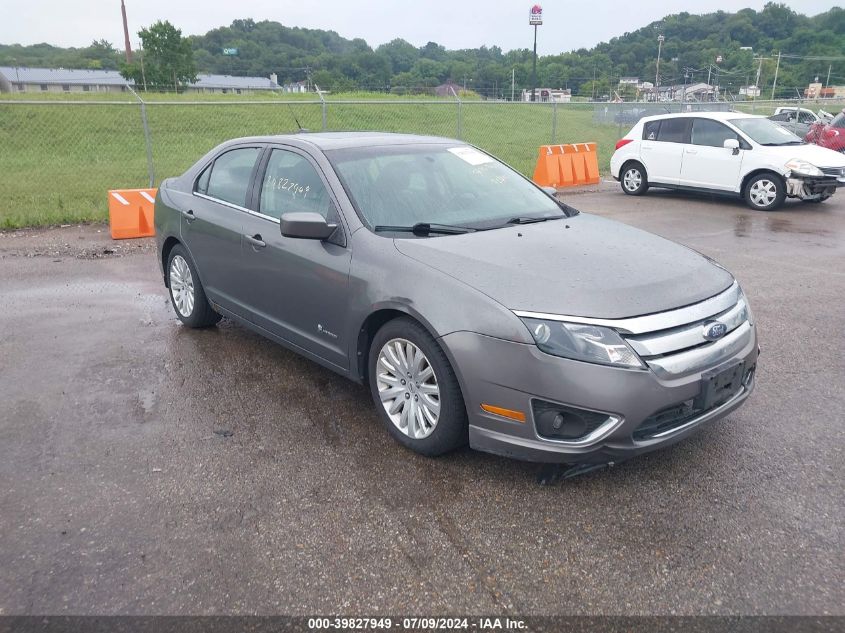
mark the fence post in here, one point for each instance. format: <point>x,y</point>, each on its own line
<point>460,115</point>
<point>322,106</point>
<point>147,140</point>
<point>554,121</point>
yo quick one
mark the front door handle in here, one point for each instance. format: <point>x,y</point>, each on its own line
<point>255,240</point>
<point>189,216</point>
<point>692,151</point>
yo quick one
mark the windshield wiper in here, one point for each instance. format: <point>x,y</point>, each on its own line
<point>424,228</point>
<point>529,220</point>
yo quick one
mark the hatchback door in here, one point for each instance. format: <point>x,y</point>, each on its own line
<point>213,223</point>
<point>296,288</point>
<point>661,150</point>
<point>707,162</point>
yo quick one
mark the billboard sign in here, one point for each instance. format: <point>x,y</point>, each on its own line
<point>230,51</point>
<point>535,17</point>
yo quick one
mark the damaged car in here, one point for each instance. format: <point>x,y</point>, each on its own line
<point>726,153</point>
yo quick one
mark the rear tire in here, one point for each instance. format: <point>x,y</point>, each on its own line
<point>415,390</point>
<point>765,192</point>
<point>186,292</point>
<point>633,178</point>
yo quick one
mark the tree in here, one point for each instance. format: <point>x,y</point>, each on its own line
<point>167,59</point>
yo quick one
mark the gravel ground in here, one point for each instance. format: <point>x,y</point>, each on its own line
<point>150,469</point>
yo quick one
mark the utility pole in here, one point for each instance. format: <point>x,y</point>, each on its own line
<point>513,82</point>
<point>775,82</point>
<point>757,80</point>
<point>126,43</point>
<point>660,40</point>
<point>827,83</point>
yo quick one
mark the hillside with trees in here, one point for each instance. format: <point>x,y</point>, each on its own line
<point>811,47</point>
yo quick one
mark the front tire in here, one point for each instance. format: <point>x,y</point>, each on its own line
<point>765,192</point>
<point>186,292</point>
<point>415,389</point>
<point>633,179</point>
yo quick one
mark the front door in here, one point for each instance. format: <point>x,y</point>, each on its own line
<point>662,149</point>
<point>296,288</point>
<point>212,224</point>
<point>707,163</point>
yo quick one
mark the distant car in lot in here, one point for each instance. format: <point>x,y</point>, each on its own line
<point>796,120</point>
<point>474,305</point>
<point>725,153</point>
<point>830,135</point>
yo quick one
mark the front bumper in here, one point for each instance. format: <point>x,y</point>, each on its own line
<point>812,187</point>
<point>514,375</point>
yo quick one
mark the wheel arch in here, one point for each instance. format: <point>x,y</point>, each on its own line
<point>756,172</point>
<point>168,245</point>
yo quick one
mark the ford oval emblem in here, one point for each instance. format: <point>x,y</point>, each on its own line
<point>714,330</point>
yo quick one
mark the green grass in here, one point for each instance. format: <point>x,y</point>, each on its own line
<point>58,160</point>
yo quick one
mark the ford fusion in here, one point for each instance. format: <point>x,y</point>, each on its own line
<point>475,307</point>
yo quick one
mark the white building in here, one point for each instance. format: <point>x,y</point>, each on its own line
<point>549,95</point>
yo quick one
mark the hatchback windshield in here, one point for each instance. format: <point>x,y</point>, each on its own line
<point>766,132</point>
<point>457,186</point>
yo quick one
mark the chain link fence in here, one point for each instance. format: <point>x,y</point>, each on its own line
<point>58,158</point>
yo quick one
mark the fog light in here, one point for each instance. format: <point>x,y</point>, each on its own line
<point>560,422</point>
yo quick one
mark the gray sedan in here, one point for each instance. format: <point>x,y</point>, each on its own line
<point>475,306</point>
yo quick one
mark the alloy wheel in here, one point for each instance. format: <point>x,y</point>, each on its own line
<point>182,286</point>
<point>408,389</point>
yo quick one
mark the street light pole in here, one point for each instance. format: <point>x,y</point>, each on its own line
<point>513,82</point>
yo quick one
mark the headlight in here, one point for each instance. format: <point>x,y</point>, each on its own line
<point>803,167</point>
<point>577,341</point>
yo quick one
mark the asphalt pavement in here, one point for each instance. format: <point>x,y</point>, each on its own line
<point>146,468</point>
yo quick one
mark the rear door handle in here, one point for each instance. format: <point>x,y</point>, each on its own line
<point>255,240</point>
<point>189,215</point>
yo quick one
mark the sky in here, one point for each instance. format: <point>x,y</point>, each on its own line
<point>568,25</point>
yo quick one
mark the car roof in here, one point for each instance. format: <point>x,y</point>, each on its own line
<point>717,116</point>
<point>326,141</point>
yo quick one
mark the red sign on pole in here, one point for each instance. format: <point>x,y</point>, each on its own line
<point>535,17</point>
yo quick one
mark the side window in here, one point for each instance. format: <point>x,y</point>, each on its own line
<point>673,130</point>
<point>650,130</point>
<point>292,184</point>
<point>230,174</point>
<point>806,117</point>
<point>202,181</point>
<point>710,133</point>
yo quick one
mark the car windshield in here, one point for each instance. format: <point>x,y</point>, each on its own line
<point>766,132</point>
<point>445,186</point>
<point>838,120</point>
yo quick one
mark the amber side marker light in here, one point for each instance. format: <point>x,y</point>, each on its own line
<point>510,414</point>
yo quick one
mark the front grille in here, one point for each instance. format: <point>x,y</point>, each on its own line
<point>836,172</point>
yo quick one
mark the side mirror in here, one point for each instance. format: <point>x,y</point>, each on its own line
<point>306,225</point>
<point>732,144</point>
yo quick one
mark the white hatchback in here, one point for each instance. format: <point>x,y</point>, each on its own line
<point>726,153</point>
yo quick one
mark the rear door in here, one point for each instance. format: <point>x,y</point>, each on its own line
<point>707,163</point>
<point>213,224</point>
<point>296,288</point>
<point>662,149</point>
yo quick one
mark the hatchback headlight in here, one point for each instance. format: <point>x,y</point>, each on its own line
<point>803,168</point>
<point>577,341</point>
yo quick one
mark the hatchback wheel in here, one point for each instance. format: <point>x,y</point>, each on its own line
<point>765,192</point>
<point>415,390</point>
<point>634,181</point>
<point>186,291</point>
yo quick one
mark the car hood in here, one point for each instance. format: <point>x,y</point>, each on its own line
<point>580,266</point>
<point>815,154</point>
